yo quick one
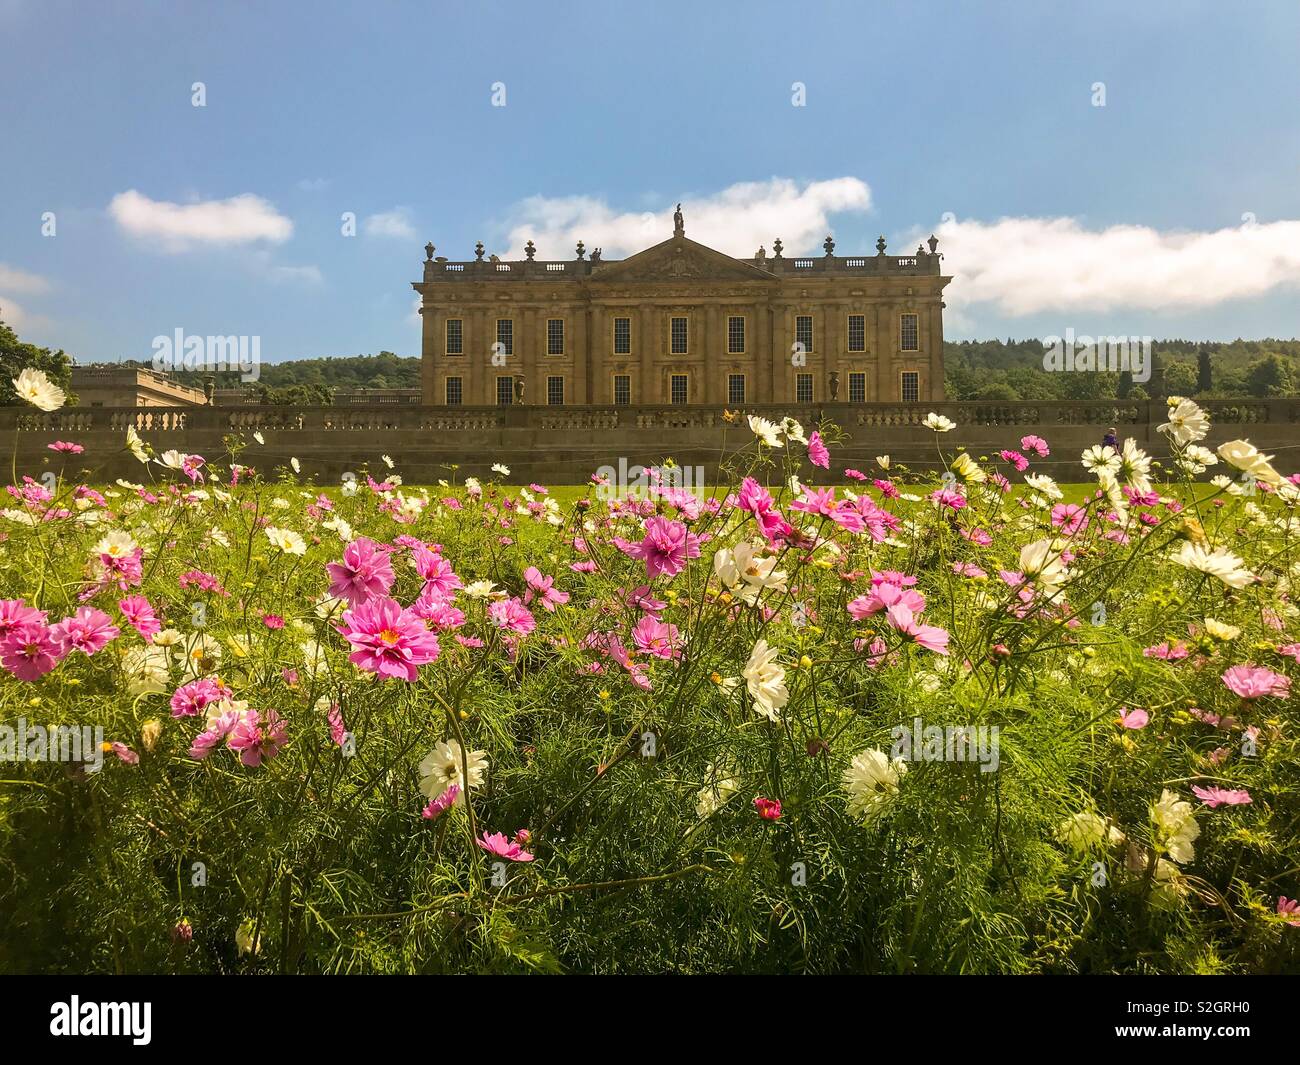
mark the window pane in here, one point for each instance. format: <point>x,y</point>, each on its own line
<point>803,388</point>
<point>911,386</point>
<point>454,393</point>
<point>555,391</point>
<point>857,332</point>
<point>622,389</point>
<point>622,336</point>
<point>555,336</point>
<point>506,335</point>
<point>857,388</point>
<point>803,331</point>
<point>505,391</point>
<point>907,333</point>
<point>680,391</point>
<point>736,335</point>
<point>736,389</point>
<point>455,337</point>
<point>679,337</point>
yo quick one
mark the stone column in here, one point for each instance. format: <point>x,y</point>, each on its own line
<point>580,360</point>
<point>481,383</point>
<point>836,339</point>
<point>712,359</point>
<point>646,385</point>
<point>527,347</point>
<point>936,386</point>
<point>762,356</point>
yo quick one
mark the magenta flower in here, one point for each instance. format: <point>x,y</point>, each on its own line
<point>140,615</point>
<point>444,802</point>
<point>364,574</point>
<point>1213,797</point>
<point>439,578</point>
<point>497,844</point>
<point>1016,459</point>
<point>538,585</point>
<point>768,809</point>
<point>1289,910</point>
<point>657,638</point>
<point>30,651</point>
<point>948,497</point>
<point>1035,444</point>
<point>511,614</point>
<point>88,630</point>
<point>931,637</point>
<point>1133,719</point>
<point>1069,518</point>
<point>817,453</point>
<point>338,730</point>
<point>255,740</point>
<point>666,548</point>
<point>884,595</point>
<point>389,640</point>
<point>14,613</point>
<point>66,447</point>
<point>1255,682</point>
<point>124,753</point>
<point>437,612</point>
<point>190,700</point>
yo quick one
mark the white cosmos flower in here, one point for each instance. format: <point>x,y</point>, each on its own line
<point>766,681</point>
<point>1187,422</point>
<point>1218,562</point>
<point>135,445</point>
<point>1101,457</point>
<point>1041,563</point>
<point>1134,467</point>
<point>387,461</point>
<point>445,765</point>
<point>146,670</point>
<point>1244,456</point>
<point>1176,826</point>
<point>939,423</point>
<point>349,486</point>
<point>1040,482</point>
<point>1085,830</point>
<point>259,437</point>
<point>286,540</point>
<point>33,386</point>
<point>483,590</point>
<point>501,468</point>
<point>172,459</point>
<point>872,780</point>
<point>714,795</point>
<point>116,544</point>
<point>767,432</point>
<point>793,431</point>
<point>297,466</point>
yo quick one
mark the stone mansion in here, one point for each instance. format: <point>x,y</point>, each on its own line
<point>682,324</point>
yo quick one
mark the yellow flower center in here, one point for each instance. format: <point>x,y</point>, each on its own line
<point>389,637</point>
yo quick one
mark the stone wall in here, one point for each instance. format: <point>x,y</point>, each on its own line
<point>565,445</point>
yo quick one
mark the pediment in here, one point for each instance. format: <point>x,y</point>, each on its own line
<point>679,259</point>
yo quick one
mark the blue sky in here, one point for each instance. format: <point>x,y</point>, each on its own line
<point>225,219</point>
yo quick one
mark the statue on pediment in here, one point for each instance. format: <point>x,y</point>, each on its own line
<point>679,224</point>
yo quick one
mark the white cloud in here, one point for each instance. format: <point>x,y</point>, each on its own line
<point>12,279</point>
<point>1023,266</point>
<point>308,275</point>
<point>243,219</point>
<point>736,220</point>
<point>394,223</point>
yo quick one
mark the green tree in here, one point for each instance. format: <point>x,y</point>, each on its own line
<point>16,356</point>
<point>1272,375</point>
<point>1180,378</point>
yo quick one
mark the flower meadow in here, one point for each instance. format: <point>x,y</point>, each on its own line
<point>482,726</point>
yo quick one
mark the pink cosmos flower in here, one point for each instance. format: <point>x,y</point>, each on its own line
<point>66,447</point>
<point>666,548</point>
<point>768,809</point>
<point>255,740</point>
<point>817,453</point>
<point>816,501</point>
<point>123,570</point>
<point>273,621</point>
<point>1289,910</point>
<point>88,630</point>
<point>1292,649</point>
<point>882,597</point>
<point>856,475</point>
<point>497,844</point>
<point>436,571</point>
<point>389,640</point>
<point>29,651</point>
<point>948,497</point>
<point>657,638</point>
<point>931,637</point>
<point>124,753</point>
<point>1035,444</point>
<point>1133,719</point>
<point>338,730</point>
<point>190,700</point>
<point>1016,459</point>
<point>14,613</point>
<point>1254,682</point>
<point>538,585</point>
<point>511,614</point>
<point>365,572</point>
<point>440,805</point>
<point>438,613</point>
<point>1213,797</point>
<point>1070,519</point>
